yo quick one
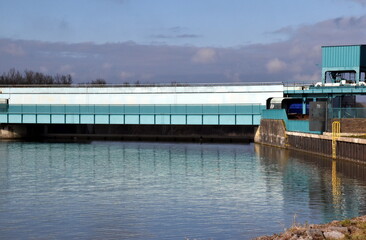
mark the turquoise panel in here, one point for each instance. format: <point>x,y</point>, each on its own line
<point>291,125</point>
<point>57,118</point>
<point>210,109</point>
<point>257,109</point>
<point>58,109</point>
<point>299,126</point>
<point>138,114</point>
<point>194,109</point>
<point>363,55</point>
<point>178,109</point>
<point>257,119</point>
<point>87,118</point>
<point>132,119</point>
<point>72,109</point>
<point>29,109</point>
<point>132,109</point>
<point>194,119</point>
<point>244,120</point>
<point>3,118</point>
<point>102,109</point>
<point>162,109</point>
<point>147,119</point>
<point>29,118</point>
<point>117,119</point>
<point>178,119</point>
<point>15,109</point>
<point>227,109</point>
<point>244,109</point>
<point>227,119</point>
<point>43,118</point>
<point>43,109</point>
<point>87,109</point>
<point>117,109</point>
<point>274,114</point>
<point>15,118</point>
<point>72,118</point>
<point>162,119</point>
<point>341,56</point>
<point>210,119</point>
<point>102,119</point>
<point>147,109</point>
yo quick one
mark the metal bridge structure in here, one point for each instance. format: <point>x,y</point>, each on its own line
<point>239,104</point>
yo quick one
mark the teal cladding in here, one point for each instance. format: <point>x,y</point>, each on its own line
<point>249,114</point>
<point>347,57</point>
<point>291,125</point>
<point>363,56</point>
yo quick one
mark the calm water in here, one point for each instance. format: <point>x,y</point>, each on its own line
<point>134,190</point>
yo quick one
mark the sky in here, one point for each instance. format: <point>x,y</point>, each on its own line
<point>165,41</point>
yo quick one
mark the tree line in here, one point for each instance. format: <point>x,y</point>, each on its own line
<point>14,77</point>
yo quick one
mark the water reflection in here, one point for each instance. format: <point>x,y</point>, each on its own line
<point>331,189</point>
<point>129,190</point>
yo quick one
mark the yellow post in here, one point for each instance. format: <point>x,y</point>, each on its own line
<point>336,130</point>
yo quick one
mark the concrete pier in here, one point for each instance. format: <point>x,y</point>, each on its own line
<point>12,131</point>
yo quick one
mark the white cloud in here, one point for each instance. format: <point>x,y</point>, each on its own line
<point>308,78</point>
<point>126,75</point>
<point>204,56</point>
<point>276,65</point>
<point>296,59</point>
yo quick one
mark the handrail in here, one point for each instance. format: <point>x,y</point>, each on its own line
<point>138,85</point>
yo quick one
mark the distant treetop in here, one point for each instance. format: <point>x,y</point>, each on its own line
<point>13,77</point>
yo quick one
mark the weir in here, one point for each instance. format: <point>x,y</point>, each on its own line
<point>113,110</point>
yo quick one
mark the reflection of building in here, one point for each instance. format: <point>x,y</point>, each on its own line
<point>324,187</point>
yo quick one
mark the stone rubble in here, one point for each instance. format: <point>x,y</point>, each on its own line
<point>346,229</point>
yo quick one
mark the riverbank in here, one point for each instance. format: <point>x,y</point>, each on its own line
<point>351,229</point>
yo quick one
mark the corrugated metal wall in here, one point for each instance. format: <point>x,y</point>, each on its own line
<point>342,56</point>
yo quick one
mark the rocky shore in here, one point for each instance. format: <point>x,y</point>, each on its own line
<point>350,229</point>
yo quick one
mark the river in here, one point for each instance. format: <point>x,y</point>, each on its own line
<point>149,190</point>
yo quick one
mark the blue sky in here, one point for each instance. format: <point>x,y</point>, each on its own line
<point>205,33</point>
<point>195,22</point>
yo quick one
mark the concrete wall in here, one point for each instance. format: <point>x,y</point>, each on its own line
<point>273,132</point>
<point>229,94</point>
<point>352,125</point>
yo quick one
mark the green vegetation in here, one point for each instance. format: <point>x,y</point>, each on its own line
<point>346,223</point>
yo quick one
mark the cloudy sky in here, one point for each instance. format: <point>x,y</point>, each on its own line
<point>164,41</point>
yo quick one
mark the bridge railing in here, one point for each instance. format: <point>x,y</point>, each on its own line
<point>347,113</point>
<point>134,109</point>
<point>246,114</point>
<point>82,85</point>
